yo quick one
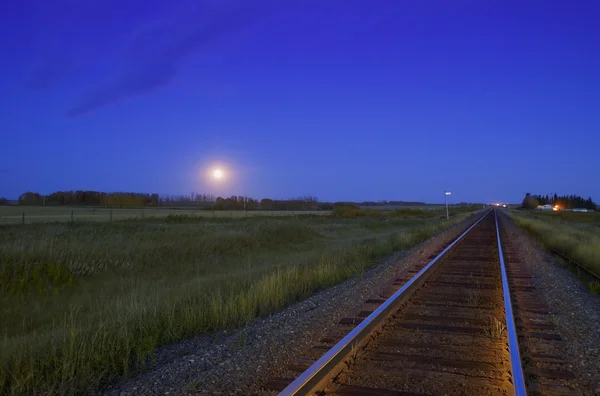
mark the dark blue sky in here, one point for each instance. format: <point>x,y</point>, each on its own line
<point>342,99</point>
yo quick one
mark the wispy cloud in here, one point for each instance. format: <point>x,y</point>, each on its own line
<point>154,53</point>
<point>140,55</point>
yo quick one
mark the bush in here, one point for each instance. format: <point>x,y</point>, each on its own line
<point>342,209</point>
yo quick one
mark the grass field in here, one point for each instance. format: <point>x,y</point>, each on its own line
<point>83,304</point>
<point>400,207</point>
<point>575,234</point>
<point>49,214</point>
<point>569,216</point>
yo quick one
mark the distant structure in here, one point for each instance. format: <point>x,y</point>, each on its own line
<point>580,210</point>
<point>545,207</point>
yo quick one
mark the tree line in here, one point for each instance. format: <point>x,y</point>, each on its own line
<point>194,200</point>
<point>391,203</point>
<point>89,198</point>
<point>203,201</point>
<point>247,203</point>
<point>563,201</point>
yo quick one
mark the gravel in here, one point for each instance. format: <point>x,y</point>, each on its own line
<point>239,363</point>
<point>576,309</point>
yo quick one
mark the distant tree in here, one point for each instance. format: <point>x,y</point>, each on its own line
<point>266,204</point>
<point>30,198</point>
<point>529,202</point>
<point>91,198</point>
<point>3,201</point>
<point>564,201</point>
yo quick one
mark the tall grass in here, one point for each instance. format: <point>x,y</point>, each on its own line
<point>84,305</point>
<point>581,243</point>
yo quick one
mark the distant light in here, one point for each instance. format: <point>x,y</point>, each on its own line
<point>217,173</point>
<point>448,193</point>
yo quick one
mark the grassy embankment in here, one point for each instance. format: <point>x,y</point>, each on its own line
<point>83,304</point>
<point>575,234</point>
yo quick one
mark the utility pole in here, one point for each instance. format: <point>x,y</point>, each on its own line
<point>446,193</point>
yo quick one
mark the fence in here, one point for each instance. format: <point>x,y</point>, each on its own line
<point>20,215</point>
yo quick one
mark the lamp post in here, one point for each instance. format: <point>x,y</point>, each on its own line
<point>446,193</point>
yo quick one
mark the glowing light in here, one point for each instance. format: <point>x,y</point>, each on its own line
<point>556,208</point>
<point>217,173</point>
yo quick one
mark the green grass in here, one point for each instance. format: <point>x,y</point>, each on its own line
<point>52,214</point>
<point>579,240</point>
<point>570,217</point>
<point>84,304</point>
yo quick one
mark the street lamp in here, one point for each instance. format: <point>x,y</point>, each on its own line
<point>446,193</point>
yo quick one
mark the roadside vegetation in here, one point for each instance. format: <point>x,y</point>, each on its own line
<point>84,304</point>
<point>575,234</point>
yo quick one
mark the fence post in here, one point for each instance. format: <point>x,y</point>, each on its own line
<point>23,218</point>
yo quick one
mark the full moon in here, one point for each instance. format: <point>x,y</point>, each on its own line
<point>217,174</point>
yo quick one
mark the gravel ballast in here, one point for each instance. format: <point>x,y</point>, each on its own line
<point>576,310</point>
<point>239,363</point>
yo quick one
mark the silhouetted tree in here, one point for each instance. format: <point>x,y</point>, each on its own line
<point>90,198</point>
<point>266,204</point>
<point>30,198</point>
<point>567,201</point>
<point>529,202</point>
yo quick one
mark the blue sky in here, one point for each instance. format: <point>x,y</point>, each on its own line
<point>339,99</point>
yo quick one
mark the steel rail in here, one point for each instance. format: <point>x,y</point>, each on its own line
<point>317,372</point>
<point>518,378</point>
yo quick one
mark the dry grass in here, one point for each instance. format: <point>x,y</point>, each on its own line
<point>495,328</point>
<point>85,304</point>
<point>594,287</point>
<point>474,298</point>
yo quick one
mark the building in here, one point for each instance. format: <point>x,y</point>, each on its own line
<point>545,207</point>
<point>580,210</point>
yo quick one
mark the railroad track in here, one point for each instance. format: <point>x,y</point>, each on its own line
<point>466,321</point>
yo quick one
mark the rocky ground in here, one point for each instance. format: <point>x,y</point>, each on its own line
<point>238,363</point>
<point>576,310</point>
